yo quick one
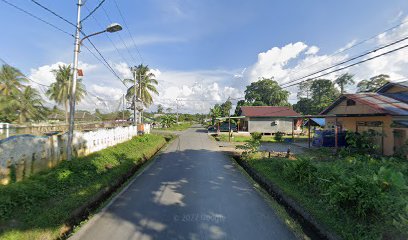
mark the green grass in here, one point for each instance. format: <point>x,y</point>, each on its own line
<point>178,127</point>
<point>311,185</point>
<point>38,207</point>
<point>238,138</point>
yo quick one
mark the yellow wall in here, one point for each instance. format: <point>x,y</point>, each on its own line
<point>350,124</point>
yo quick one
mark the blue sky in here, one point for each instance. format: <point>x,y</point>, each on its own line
<point>199,49</point>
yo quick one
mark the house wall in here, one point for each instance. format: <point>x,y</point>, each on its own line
<point>24,155</point>
<point>350,124</point>
<point>264,125</point>
<point>396,89</point>
<point>359,108</point>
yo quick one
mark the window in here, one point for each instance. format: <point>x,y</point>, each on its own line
<point>351,102</point>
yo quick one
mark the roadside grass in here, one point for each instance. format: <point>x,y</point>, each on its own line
<point>41,206</point>
<point>352,196</point>
<point>238,138</point>
<point>178,127</point>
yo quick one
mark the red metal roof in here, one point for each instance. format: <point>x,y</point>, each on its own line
<point>267,111</point>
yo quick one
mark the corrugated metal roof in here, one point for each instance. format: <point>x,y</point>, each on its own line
<point>381,103</point>
<point>267,111</point>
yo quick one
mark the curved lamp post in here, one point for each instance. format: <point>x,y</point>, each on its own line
<point>115,27</point>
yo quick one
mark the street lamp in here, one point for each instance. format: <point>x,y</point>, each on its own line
<point>111,28</point>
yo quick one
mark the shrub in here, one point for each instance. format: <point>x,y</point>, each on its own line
<point>363,143</point>
<point>301,171</point>
<point>278,136</point>
<point>256,136</point>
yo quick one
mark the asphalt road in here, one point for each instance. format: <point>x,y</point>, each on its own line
<point>191,191</point>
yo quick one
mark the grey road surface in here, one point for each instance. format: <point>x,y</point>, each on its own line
<point>191,191</point>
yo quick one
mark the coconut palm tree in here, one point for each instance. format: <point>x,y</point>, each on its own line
<point>146,85</point>
<point>11,80</point>
<point>59,91</point>
<point>344,80</point>
<point>29,105</point>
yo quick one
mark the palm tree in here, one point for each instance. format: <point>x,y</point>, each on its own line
<point>343,80</point>
<point>146,84</point>
<point>59,91</point>
<point>29,105</point>
<point>11,80</point>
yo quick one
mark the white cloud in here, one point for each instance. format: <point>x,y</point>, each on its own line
<point>271,63</point>
<point>312,50</point>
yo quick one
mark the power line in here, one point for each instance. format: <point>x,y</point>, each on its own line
<point>92,12</point>
<point>38,18</point>
<point>352,46</point>
<point>110,39</point>
<point>106,64</point>
<point>120,36</point>
<point>349,60</point>
<point>342,68</point>
<point>128,30</point>
<point>53,13</point>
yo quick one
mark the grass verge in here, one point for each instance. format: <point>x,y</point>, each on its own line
<point>46,205</point>
<point>354,197</point>
<point>178,127</point>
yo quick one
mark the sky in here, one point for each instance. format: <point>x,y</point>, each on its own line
<point>203,51</point>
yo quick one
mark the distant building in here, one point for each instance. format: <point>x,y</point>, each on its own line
<point>269,119</point>
<point>385,111</point>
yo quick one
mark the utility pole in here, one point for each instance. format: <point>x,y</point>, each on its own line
<point>134,95</point>
<point>123,109</point>
<point>177,109</point>
<point>140,96</point>
<point>73,85</point>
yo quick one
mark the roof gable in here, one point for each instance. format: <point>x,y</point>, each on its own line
<point>394,87</point>
<point>267,111</point>
<point>373,103</point>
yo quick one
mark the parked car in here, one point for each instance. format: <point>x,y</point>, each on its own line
<point>212,129</point>
<point>224,127</point>
<point>326,138</point>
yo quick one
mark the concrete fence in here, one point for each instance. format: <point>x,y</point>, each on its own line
<point>23,155</point>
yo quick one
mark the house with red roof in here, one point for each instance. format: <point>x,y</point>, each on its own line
<point>269,119</point>
<point>385,111</point>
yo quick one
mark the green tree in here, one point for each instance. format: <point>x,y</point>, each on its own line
<point>59,91</point>
<point>160,109</point>
<point>146,85</point>
<point>374,83</point>
<point>304,106</point>
<point>29,105</point>
<point>266,92</point>
<point>343,80</point>
<point>323,94</point>
<point>11,81</point>
<point>215,112</point>
<point>304,89</point>
<point>168,120</point>
<point>226,108</point>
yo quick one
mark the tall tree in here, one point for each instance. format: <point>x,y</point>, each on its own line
<point>59,90</point>
<point>11,81</point>
<point>343,80</point>
<point>374,83</point>
<point>304,89</point>
<point>146,85</point>
<point>215,112</point>
<point>226,108</point>
<point>266,92</point>
<point>29,105</point>
<point>160,108</point>
<point>323,94</point>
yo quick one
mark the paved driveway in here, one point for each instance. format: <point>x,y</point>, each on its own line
<point>192,191</point>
